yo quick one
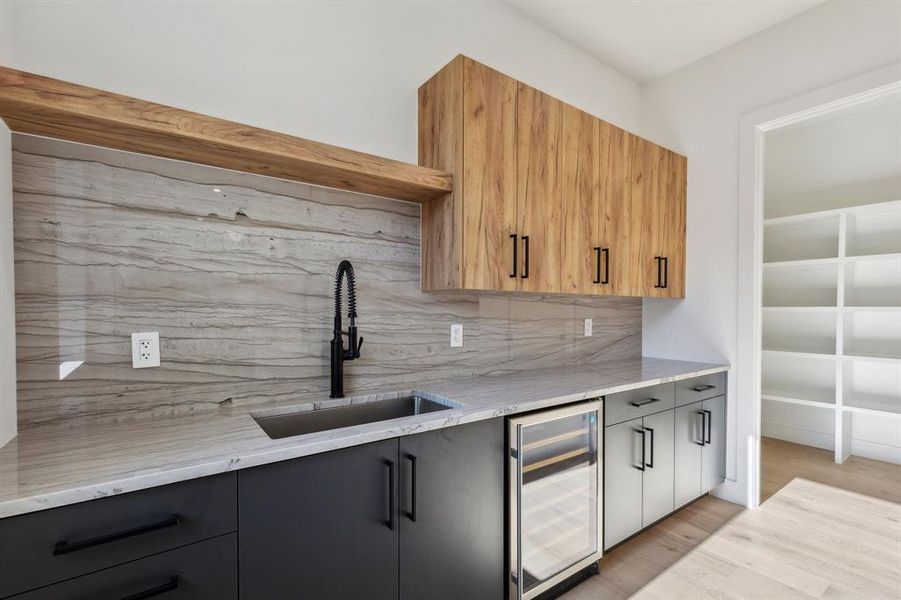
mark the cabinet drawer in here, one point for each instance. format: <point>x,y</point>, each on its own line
<point>204,570</point>
<point>45,547</point>
<point>624,406</point>
<point>700,388</point>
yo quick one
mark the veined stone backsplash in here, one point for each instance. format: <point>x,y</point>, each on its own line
<point>236,272</point>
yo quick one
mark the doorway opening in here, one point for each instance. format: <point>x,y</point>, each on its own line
<point>829,297</point>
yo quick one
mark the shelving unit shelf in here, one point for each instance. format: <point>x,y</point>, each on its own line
<point>831,314</point>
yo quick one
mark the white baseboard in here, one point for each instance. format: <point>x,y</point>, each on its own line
<point>798,435</point>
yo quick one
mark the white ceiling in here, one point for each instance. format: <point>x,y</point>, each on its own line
<point>646,39</point>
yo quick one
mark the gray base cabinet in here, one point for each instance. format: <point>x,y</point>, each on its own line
<point>713,455</point>
<point>665,446</point>
<point>688,445</point>
<point>622,481</point>
<point>700,446</point>
<point>657,477</point>
<point>638,475</point>
<point>416,517</point>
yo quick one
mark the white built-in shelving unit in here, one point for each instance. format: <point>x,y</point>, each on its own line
<point>832,314</point>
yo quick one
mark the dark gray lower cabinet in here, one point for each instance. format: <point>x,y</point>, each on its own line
<point>321,526</point>
<point>452,520</point>
<point>416,517</point>
<point>42,548</point>
<point>201,571</point>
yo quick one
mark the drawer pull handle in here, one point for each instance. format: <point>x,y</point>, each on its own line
<point>65,547</point>
<point>169,586</point>
<point>703,387</point>
<point>640,403</point>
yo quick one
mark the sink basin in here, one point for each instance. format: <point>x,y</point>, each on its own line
<point>297,423</point>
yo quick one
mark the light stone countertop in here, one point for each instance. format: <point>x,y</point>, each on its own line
<point>53,466</point>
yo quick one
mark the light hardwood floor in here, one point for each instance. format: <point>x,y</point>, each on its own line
<point>783,461</point>
<point>643,560</point>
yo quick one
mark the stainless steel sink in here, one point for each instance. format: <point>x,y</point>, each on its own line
<point>322,419</point>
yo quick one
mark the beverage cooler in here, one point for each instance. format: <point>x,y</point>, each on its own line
<point>555,481</point>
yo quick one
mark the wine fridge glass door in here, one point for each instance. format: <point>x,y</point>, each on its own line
<point>558,482</point>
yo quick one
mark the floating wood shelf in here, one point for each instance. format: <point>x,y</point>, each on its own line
<point>43,106</point>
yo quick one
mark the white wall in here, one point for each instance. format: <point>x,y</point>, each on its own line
<point>345,73</point>
<point>697,110</point>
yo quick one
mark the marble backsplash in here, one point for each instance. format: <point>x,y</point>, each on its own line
<point>236,273</point>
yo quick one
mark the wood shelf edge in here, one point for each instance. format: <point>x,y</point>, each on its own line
<point>39,105</point>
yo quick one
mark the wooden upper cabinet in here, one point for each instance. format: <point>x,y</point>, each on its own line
<point>620,219</point>
<point>467,124</point>
<point>539,189</point>
<point>546,198</point>
<point>658,193</point>
<point>583,259</point>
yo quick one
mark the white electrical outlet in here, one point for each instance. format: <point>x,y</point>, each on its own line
<point>456,338</point>
<point>145,349</point>
<point>587,327</point>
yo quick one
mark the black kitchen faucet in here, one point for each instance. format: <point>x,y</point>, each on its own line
<point>339,353</point>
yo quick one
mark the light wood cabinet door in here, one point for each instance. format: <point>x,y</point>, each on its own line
<point>619,231</point>
<point>539,203</point>
<point>658,216</point>
<point>580,186</point>
<point>466,126</point>
<point>489,178</point>
<point>671,240</point>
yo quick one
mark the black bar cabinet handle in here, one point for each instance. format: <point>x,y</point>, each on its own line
<point>525,249</point>
<point>412,514</point>
<point>640,403</point>
<point>641,432</point>
<point>703,387</point>
<point>659,283</point>
<point>65,546</point>
<point>606,253</point>
<point>392,493</point>
<point>665,272</point>
<point>703,427</point>
<point>515,249</point>
<point>170,585</point>
<point>709,418</point>
<point>597,265</point>
<point>651,464</point>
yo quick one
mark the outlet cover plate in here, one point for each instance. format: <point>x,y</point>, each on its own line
<point>145,349</point>
<point>456,335</point>
<point>588,328</point>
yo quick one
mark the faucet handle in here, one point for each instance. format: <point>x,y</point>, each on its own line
<point>357,349</point>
